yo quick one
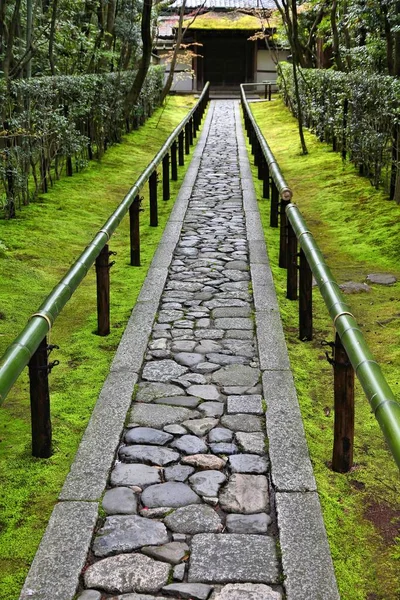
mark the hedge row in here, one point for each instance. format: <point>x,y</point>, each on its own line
<point>358,113</point>
<point>56,124</point>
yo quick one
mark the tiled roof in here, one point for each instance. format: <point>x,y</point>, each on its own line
<point>261,4</point>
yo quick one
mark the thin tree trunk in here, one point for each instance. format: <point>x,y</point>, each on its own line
<point>335,37</point>
<point>179,37</point>
<point>29,22</point>
<point>133,94</point>
<point>51,39</point>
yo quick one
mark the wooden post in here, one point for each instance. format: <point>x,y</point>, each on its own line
<point>305,299</point>
<point>165,177</point>
<point>191,131</point>
<point>174,165</point>
<point>187,138</point>
<point>283,234</point>
<point>153,199</point>
<point>261,166</point>
<point>134,210</point>
<point>194,122</point>
<point>181,149</point>
<point>40,402</point>
<point>291,278</point>
<point>269,91</point>
<point>103,292</point>
<point>257,152</point>
<point>273,218</point>
<point>266,180</point>
<point>342,459</point>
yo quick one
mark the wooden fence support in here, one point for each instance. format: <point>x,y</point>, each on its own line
<point>191,131</point>
<point>174,165</point>
<point>181,149</point>
<point>165,177</point>
<point>291,279</point>
<point>40,402</point>
<point>266,180</point>
<point>342,459</point>
<point>305,299</point>
<point>103,291</point>
<point>153,199</point>
<point>134,211</point>
<point>187,138</point>
<point>273,218</point>
<point>283,234</point>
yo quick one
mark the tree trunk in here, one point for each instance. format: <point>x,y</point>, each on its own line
<point>179,37</point>
<point>335,38</point>
<point>133,94</point>
<point>9,42</point>
<point>51,38</point>
<point>396,70</point>
<point>29,22</point>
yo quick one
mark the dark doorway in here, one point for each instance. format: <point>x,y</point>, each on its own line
<point>228,58</point>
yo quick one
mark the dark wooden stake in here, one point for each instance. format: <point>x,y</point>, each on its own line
<point>153,199</point>
<point>165,177</point>
<point>181,149</point>
<point>103,292</point>
<point>174,165</point>
<point>283,234</point>
<point>191,131</point>
<point>273,219</point>
<point>291,279</point>
<point>305,299</point>
<point>134,210</point>
<point>187,138</point>
<point>40,402</point>
<point>194,122</point>
<point>342,459</point>
<point>266,180</point>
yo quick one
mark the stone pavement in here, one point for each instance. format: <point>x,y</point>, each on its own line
<point>208,496</point>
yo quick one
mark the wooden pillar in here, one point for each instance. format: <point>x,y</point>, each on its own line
<point>266,180</point>
<point>273,219</point>
<point>191,131</point>
<point>291,279</point>
<point>342,459</point>
<point>103,292</point>
<point>174,166</point>
<point>187,138</point>
<point>305,299</point>
<point>165,177</point>
<point>40,402</point>
<point>283,234</point>
<point>181,149</point>
<point>153,199</point>
<point>134,210</point>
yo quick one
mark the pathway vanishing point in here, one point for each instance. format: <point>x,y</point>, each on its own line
<point>210,490</point>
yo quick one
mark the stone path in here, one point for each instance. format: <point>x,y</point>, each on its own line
<point>190,506</point>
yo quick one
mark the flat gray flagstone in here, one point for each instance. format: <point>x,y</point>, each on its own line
<point>257,523</point>
<point>125,533</point>
<point>90,595</point>
<point>242,422</point>
<point>232,311</point>
<point>188,359</point>
<point>211,409</point>
<point>191,378</point>
<point>133,474</point>
<point>200,427</point>
<point>120,501</point>
<point>247,591</point>
<point>185,401</point>
<point>251,442</point>
<point>139,597</point>
<point>190,444</point>
<point>179,572</point>
<point>248,463</point>
<point>158,416</point>
<point>178,472</point>
<point>239,265</point>
<point>234,557</point>
<point>172,553</point>
<point>204,461</point>
<point>155,513</point>
<point>205,392</point>
<point>175,429</point>
<point>184,286</point>
<point>147,392</point>
<point>147,435</point>
<point>240,375</point>
<point>151,455</point>
<point>172,494</point>
<point>198,591</point>
<point>234,323</point>
<point>245,494</point>
<point>220,434</point>
<point>226,359</point>
<point>381,278</point>
<point>127,573</point>
<point>245,404</point>
<point>208,334</point>
<point>207,483</point>
<point>194,519</point>
<point>207,367</point>
<point>183,346</point>
<point>162,370</point>
<point>207,346</point>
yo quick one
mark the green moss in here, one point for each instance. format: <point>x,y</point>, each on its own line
<point>41,244</point>
<point>358,231</point>
<point>230,20</point>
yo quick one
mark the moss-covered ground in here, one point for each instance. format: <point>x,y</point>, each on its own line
<point>358,230</point>
<point>36,250</point>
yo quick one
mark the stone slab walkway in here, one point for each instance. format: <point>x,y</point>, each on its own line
<point>210,494</point>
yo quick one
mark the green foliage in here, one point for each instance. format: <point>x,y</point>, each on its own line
<point>57,123</point>
<point>356,112</point>
<point>361,509</point>
<point>41,244</point>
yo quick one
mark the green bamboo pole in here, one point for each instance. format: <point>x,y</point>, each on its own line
<point>20,351</point>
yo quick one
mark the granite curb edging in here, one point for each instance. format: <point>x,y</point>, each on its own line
<point>306,559</point>
<point>50,578</point>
